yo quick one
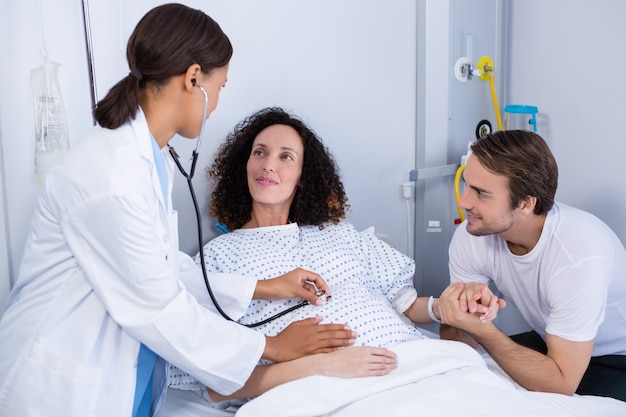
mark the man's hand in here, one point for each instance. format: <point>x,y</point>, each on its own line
<point>461,305</point>
<point>477,298</point>
<point>297,283</point>
<point>306,337</point>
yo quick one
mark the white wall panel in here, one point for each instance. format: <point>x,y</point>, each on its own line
<point>567,59</point>
<point>347,67</point>
<point>5,265</point>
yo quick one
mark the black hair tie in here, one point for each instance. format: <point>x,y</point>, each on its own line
<point>135,73</point>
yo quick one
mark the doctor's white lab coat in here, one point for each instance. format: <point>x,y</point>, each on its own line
<point>100,275</point>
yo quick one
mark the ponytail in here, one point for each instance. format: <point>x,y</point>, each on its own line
<point>120,104</point>
<point>166,41</point>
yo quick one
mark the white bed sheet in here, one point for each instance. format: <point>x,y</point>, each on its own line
<point>435,378</point>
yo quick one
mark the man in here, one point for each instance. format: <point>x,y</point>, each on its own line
<point>563,268</point>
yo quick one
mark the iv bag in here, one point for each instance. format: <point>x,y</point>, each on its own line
<point>51,135</point>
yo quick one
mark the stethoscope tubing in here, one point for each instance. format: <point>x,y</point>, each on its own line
<point>189,177</point>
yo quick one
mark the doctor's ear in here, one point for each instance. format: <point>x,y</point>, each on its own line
<point>191,75</point>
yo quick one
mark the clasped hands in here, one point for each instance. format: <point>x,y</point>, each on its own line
<point>461,305</point>
<point>464,305</point>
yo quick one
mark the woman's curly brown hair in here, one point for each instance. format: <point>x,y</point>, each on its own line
<point>319,198</point>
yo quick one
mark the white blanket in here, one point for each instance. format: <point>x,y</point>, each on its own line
<point>434,378</point>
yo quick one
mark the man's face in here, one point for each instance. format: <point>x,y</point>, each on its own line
<point>486,200</point>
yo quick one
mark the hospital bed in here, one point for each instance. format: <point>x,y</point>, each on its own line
<point>435,378</point>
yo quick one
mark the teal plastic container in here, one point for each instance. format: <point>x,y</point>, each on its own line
<point>520,117</point>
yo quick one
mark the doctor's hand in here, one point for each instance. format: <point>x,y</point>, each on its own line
<point>307,337</point>
<point>297,283</point>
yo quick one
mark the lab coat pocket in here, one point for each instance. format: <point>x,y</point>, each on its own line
<point>46,384</point>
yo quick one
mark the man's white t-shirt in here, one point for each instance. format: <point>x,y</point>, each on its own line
<point>572,284</point>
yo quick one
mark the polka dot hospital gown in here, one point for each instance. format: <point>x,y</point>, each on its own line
<point>367,277</point>
<point>371,283</point>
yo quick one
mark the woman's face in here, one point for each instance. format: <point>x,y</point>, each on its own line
<point>274,167</point>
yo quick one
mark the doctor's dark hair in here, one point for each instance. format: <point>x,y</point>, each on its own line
<point>320,196</point>
<point>165,43</point>
<point>526,160</point>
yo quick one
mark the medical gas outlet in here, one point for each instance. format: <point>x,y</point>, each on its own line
<point>407,190</point>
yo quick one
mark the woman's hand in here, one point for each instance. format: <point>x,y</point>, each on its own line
<point>353,362</point>
<point>297,283</point>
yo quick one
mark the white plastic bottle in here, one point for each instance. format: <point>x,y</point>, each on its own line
<point>51,136</point>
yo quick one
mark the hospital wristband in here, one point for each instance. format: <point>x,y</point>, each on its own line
<point>431,313</point>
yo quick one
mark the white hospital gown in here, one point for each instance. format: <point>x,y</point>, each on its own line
<point>371,283</point>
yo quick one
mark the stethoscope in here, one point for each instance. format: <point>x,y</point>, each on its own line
<point>188,177</point>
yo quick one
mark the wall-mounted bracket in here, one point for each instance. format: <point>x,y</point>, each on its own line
<point>433,172</point>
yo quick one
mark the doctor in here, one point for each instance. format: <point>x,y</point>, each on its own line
<point>98,306</point>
